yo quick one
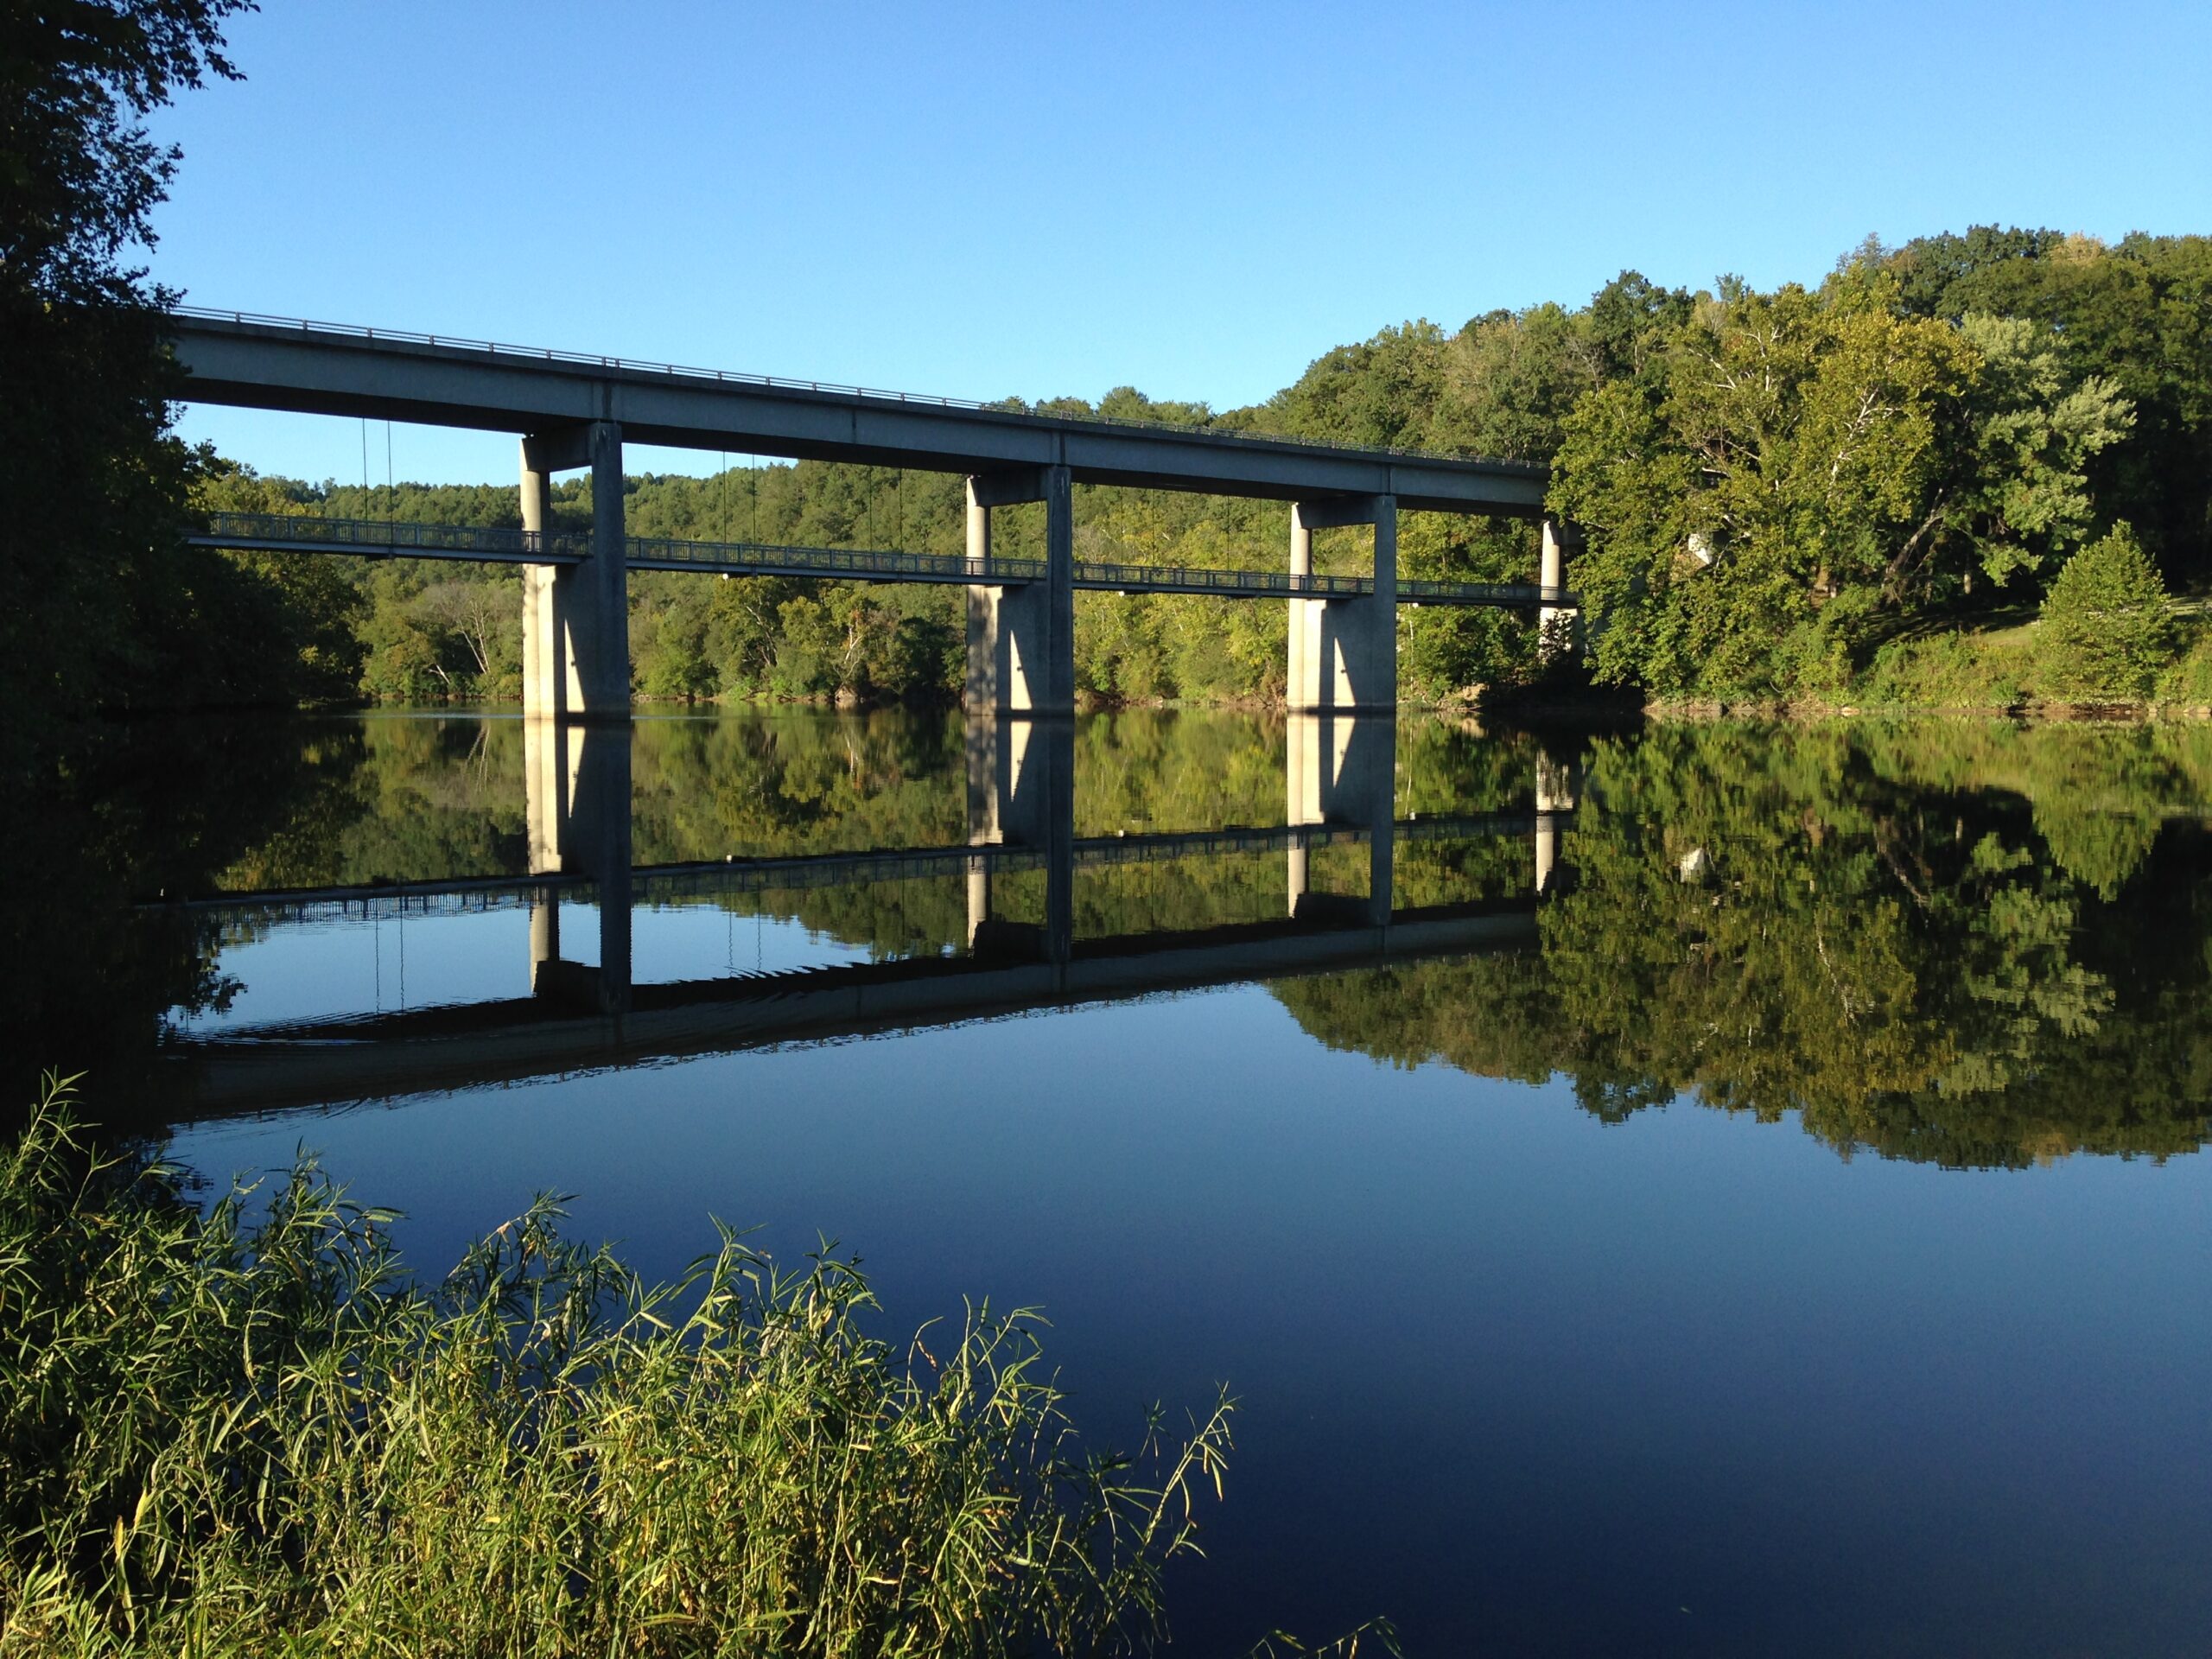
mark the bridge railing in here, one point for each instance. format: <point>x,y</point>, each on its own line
<point>736,378</point>
<point>1481,593</point>
<point>393,535</point>
<point>1092,573</point>
<point>649,553</point>
<point>382,537</point>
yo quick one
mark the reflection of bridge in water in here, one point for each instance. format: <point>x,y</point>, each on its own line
<point>1340,791</point>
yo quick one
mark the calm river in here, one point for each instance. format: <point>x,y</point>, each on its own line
<point>1714,1190</point>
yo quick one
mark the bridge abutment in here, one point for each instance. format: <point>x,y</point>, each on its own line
<point>1344,651</point>
<point>576,616</point>
<point>1021,636</point>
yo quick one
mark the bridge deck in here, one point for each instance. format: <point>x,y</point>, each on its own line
<point>329,369</point>
<point>387,538</point>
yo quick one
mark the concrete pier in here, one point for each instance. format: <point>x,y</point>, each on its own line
<point>576,617</point>
<point>1021,638</point>
<point>1344,651</point>
<point>1555,624</point>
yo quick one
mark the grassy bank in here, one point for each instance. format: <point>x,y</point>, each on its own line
<point>220,1436</point>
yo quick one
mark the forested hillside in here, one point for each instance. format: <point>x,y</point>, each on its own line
<point>1856,490</point>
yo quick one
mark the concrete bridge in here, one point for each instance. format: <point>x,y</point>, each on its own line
<point>1338,789</point>
<point>576,412</point>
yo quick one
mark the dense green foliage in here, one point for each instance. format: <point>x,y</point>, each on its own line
<point>98,602</point>
<point>1787,484</point>
<point>223,1436</point>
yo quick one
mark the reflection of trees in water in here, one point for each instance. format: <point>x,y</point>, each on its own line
<point>1969,942</point>
<point>129,812</point>
<point>208,805</point>
<point>1872,928</point>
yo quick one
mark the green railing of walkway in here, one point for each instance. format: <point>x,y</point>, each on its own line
<point>398,539</point>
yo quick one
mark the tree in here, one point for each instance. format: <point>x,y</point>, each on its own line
<point>481,617</point>
<point>2106,627</point>
<point>95,488</point>
<point>2016,492</point>
<point>1790,466</point>
<point>2138,314</point>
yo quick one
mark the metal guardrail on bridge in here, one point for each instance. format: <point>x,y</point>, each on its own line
<point>398,539</point>
<point>387,538</point>
<point>851,565</point>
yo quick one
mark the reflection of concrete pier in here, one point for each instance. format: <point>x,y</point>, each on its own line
<point>1556,790</point>
<point>579,819</point>
<point>1342,769</point>
<point>1021,794</point>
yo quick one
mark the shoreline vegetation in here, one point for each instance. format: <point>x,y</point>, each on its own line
<point>243,1427</point>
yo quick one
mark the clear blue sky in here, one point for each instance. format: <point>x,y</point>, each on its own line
<point>1195,199</point>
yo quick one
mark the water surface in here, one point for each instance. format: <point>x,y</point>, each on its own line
<point>1708,1190</point>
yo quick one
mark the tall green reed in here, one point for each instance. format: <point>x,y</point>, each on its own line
<point>228,1433</point>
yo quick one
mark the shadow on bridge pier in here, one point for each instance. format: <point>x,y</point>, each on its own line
<point>1339,790</point>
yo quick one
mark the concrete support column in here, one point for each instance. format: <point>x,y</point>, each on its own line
<point>1556,623</point>
<point>542,680</point>
<point>1343,652</point>
<point>576,616</point>
<point>988,628</point>
<point>1021,636</point>
<point>603,668</point>
<point>1302,623</point>
<point>1059,696</point>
